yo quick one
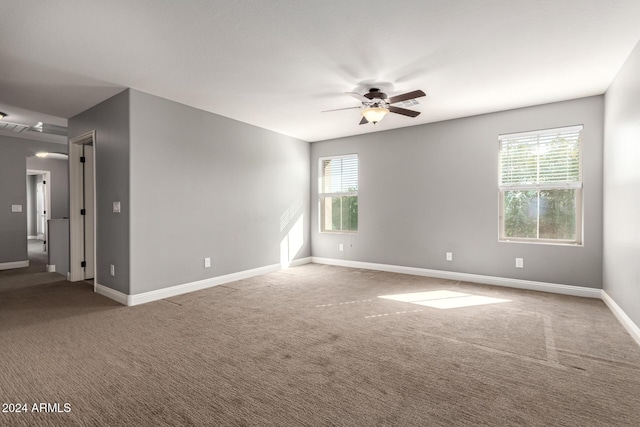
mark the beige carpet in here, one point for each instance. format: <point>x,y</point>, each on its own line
<point>314,345</point>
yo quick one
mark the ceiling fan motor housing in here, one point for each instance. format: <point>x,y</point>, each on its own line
<point>378,99</point>
<point>374,93</point>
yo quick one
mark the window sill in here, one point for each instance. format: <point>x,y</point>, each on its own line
<point>338,232</point>
<point>542,242</point>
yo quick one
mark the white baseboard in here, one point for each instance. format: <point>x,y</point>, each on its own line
<point>198,285</point>
<point>184,288</point>
<point>111,293</point>
<point>14,264</point>
<point>579,291</point>
<point>300,261</point>
<point>622,317</point>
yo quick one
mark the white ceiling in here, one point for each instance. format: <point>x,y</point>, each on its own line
<point>277,64</point>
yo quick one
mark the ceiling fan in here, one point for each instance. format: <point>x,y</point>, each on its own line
<point>376,104</point>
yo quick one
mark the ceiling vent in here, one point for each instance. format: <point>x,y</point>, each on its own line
<point>410,102</point>
<point>50,129</point>
<point>12,127</point>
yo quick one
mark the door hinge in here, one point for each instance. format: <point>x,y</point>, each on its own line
<point>82,159</point>
<point>83,264</point>
<point>83,211</point>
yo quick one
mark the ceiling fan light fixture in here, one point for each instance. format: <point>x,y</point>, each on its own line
<point>374,114</point>
<point>3,115</point>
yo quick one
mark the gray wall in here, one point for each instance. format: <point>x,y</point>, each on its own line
<point>622,188</point>
<point>203,185</point>
<point>13,191</point>
<point>426,190</point>
<point>59,185</point>
<point>110,120</point>
<point>59,245</point>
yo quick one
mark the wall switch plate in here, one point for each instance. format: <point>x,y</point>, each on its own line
<point>16,208</point>
<point>341,247</point>
<point>449,256</point>
<point>112,269</point>
<point>116,207</point>
<point>207,262</point>
<point>519,263</point>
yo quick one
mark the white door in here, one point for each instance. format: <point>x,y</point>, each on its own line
<point>89,212</point>
<point>81,207</point>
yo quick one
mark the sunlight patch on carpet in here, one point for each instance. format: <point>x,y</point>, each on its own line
<point>443,299</point>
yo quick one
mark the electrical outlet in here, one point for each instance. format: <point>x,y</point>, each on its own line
<point>449,256</point>
<point>341,247</point>
<point>112,269</point>
<point>207,262</point>
<point>519,263</point>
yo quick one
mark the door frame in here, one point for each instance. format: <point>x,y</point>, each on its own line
<point>76,226</point>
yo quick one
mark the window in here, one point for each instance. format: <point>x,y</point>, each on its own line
<point>338,193</point>
<point>541,186</point>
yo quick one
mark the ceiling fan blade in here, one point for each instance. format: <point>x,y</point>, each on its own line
<point>338,109</point>
<point>358,96</point>
<point>406,96</point>
<point>404,111</point>
<point>364,121</point>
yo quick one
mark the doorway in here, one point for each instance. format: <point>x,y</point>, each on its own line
<point>38,214</point>
<point>82,221</point>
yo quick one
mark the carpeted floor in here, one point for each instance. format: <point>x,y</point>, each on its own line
<point>34,275</point>
<point>37,254</point>
<point>314,345</point>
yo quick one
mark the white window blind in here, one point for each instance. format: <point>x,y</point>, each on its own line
<point>339,175</point>
<point>541,159</point>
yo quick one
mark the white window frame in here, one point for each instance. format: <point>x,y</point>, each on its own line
<point>577,186</point>
<point>321,195</point>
